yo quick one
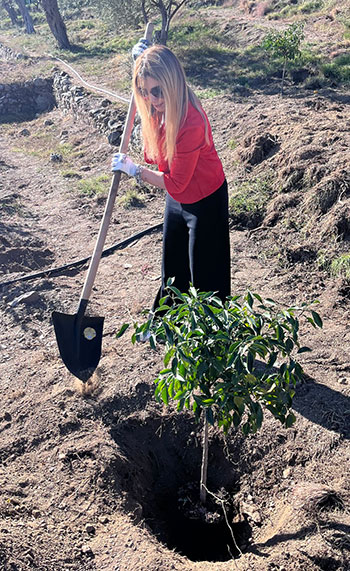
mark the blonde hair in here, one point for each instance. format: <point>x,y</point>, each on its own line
<point>159,63</point>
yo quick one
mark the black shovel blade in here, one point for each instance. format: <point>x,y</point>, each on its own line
<point>79,342</point>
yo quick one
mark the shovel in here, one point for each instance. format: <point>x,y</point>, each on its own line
<point>79,337</point>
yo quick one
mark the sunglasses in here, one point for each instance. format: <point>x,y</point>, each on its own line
<point>155,91</point>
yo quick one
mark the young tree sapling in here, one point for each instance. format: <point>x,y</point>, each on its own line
<point>227,362</point>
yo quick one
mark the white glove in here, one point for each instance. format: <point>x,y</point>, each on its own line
<point>120,162</point>
<point>139,48</point>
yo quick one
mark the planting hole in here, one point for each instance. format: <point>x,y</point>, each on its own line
<point>159,472</point>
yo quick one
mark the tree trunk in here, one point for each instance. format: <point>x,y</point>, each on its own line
<point>56,24</point>
<point>144,13</point>
<point>283,76</point>
<point>164,31</point>
<point>204,467</point>
<point>27,19</point>
<point>11,12</point>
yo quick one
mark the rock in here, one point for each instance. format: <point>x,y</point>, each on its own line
<point>7,417</point>
<point>64,133</point>
<point>105,102</point>
<point>89,528</point>
<point>24,133</point>
<point>86,550</point>
<point>114,138</point>
<point>55,158</point>
<point>48,122</point>
<point>251,512</point>
<point>29,297</point>
<point>343,381</point>
<point>23,483</point>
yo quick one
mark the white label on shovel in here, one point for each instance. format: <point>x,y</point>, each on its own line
<point>89,333</point>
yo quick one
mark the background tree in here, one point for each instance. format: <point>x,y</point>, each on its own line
<point>125,13</point>
<point>167,10</point>
<point>7,5</point>
<point>56,23</point>
<point>27,19</point>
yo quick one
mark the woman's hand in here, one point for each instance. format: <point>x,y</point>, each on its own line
<point>139,48</point>
<point>120,162</point>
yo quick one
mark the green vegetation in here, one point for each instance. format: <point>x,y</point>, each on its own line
<point>232,144</point>
<point>340,267</point>
<point>248,200</point>
<point>210,358</point>
<point>285,9</point>
<point>98,185</point>
<point>339,69</point>
<point>131,199</point>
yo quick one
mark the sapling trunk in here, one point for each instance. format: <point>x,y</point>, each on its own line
<point>283,75</point>
<point>204,467</point>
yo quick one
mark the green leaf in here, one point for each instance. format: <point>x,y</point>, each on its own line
<point>289,345</point>
<point>177,292</point>
<point>258,297</point>
<point>169,334</point>
<point>290,420</point>
<point>250,299</point>
<point>304,350</point>
<point>152,341</point>
<point>168,356</point>
<point>174,364</point>
<point>164,395</point>
<point>246,428</point>
<point>250,361</point>
<point>317,319</point>
<point>122,330</point>
<point>209,416</point>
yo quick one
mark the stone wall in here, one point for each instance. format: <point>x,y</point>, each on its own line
<point>8,53</point>
<point>100,112</point>
<point>23,101</point>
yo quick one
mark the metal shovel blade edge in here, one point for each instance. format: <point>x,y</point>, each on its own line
<point>79,341</point>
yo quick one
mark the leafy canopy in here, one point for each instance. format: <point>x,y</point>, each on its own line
<point>230,360</point>
<point>285,44</point>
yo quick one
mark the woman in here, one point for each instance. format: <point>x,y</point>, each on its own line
<point>177,138</point>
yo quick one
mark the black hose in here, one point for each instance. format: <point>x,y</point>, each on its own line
<point>107,252</point>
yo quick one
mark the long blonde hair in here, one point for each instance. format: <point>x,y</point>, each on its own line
<point>159,63</point>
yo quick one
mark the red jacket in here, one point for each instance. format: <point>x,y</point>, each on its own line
<point>196,170</point>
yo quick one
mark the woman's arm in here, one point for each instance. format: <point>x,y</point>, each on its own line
<point>156,178</point>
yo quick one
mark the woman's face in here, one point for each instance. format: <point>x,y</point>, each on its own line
<point>152,91</point>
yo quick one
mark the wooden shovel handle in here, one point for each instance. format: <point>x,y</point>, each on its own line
<point>96,256</point>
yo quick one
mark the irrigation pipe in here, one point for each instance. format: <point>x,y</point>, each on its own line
<point>106,252</point>
<point>100,89</point>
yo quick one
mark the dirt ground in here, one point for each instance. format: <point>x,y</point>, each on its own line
<point>91,480</point>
